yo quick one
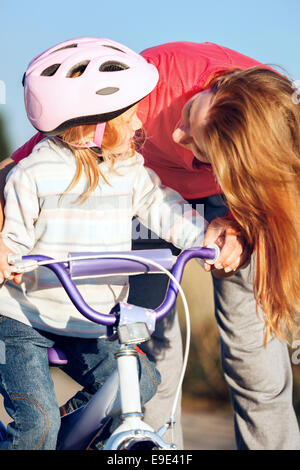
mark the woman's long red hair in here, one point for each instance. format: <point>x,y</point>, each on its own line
<point>252,136</point>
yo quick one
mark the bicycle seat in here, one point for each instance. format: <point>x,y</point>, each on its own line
<point>56,356</point>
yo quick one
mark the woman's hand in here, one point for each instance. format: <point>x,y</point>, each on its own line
<point>5,268</point>
<point>235,253</point>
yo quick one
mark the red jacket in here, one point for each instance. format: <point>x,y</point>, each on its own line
<point>184,68</point>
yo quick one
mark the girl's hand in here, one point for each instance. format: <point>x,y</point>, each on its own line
<point>234,251</point>
<point>5,268</point>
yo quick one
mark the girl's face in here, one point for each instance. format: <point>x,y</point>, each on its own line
<point>135,124</point>
<point>189,128</point>
<point>132,123</point>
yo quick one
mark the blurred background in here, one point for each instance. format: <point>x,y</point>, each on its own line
<point>267,30</point>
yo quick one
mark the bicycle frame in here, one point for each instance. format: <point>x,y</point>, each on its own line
<point>132,329</point>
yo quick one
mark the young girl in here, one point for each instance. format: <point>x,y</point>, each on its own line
<point>77,191</point>
<point>247,126</point>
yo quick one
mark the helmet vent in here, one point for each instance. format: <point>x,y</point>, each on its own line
<point>107,91</point>
<point>78,69</point>
<point>112,66</point>
<point>65,47</point>
<point>113,47</point>
<point>51,70</point>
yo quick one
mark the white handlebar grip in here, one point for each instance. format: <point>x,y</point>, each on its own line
<point>12,259</point>
<point>217,250</point>
<point>21,266</point>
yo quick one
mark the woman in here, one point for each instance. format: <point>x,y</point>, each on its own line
<point>246,125</point>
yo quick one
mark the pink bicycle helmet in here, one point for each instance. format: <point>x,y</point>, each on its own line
<point>111,78</point>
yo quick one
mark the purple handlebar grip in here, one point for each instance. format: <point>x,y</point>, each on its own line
<point>60,269</point>
<point>109,266</point>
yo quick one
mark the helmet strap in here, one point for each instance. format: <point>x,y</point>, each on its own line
<point>96,143</point>
<point>99,132</point>
<point>98,136</point>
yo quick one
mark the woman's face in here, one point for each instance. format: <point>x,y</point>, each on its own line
<point>188,130</point>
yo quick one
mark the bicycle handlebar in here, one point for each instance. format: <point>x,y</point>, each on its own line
<point>60,268</point>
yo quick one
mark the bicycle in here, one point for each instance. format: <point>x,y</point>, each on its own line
<point>129,324</point>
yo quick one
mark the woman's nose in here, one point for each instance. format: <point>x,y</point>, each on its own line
<point>179,132</point>
<point>180,135</point>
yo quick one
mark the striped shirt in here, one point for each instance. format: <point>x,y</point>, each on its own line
<point>39,219</point>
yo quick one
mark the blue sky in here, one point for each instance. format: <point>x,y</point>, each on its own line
<point>267,30</point>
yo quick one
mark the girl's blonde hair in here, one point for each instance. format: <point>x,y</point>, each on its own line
<point>252,136</point>
<point>117,133</point>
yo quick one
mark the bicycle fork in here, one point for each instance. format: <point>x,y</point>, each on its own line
<point>133,431</point>
<point>129,383</point>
